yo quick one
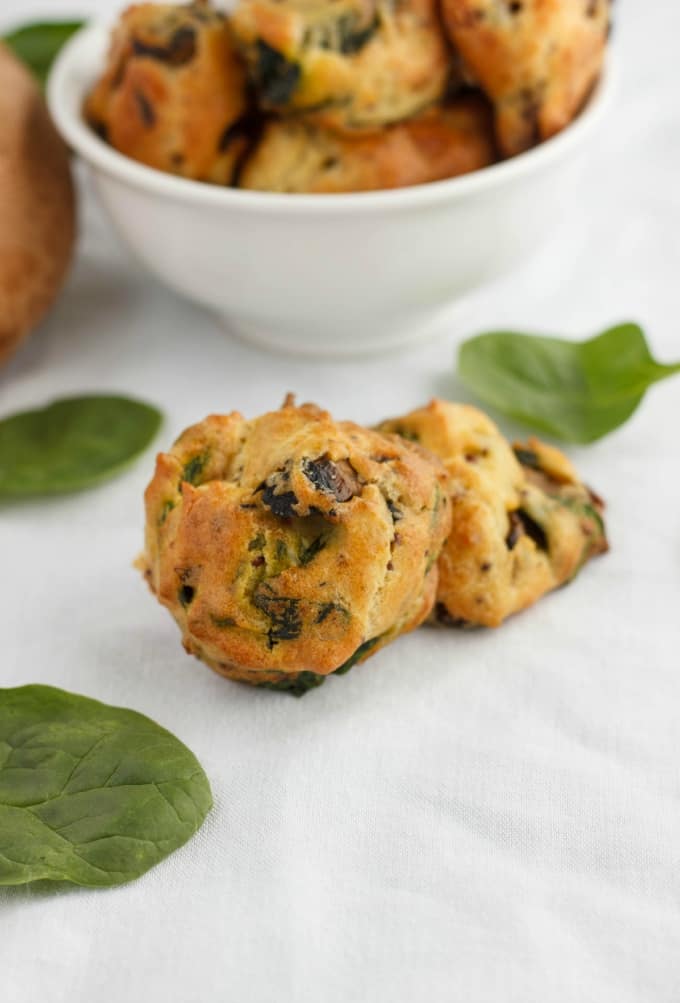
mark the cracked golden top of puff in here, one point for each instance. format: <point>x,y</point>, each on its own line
<point>348,65</point>
<point>286,543</point>
<point>537,60</point>
<point>523,523</point>
<point>173,91</point>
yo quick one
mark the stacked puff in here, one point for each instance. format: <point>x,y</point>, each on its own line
<point>294,156</point>
<point>537,60</point>
<point>173,92</point>
<point>293,546</point>
<point>522,522</point>
<point>358,88</point>
<point>348,65</point>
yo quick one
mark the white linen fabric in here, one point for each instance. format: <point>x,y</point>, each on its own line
<point>473,817</point>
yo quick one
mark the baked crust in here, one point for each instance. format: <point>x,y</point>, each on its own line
<point>173,91</point>
<point>352,64</point>
<point>522,522</point>
<point>442,142</point>
<point>536,59</point>
<point>292,545</point>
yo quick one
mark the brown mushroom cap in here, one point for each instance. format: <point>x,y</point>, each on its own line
<point>37,206</point>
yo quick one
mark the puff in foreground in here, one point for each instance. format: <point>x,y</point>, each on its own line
<point>537,60</point>
<point>522,521</point>
<point>441,142</point>
<point>293,546</point>
<point>173,91</point>
<point>348,65</point>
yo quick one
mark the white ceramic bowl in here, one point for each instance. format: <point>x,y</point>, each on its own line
<point>325,274</point>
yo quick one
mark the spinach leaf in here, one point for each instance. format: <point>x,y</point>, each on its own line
<point>91,794</point>
<point>38,44</point>
<point>577,391</point>
<point>72,444</point>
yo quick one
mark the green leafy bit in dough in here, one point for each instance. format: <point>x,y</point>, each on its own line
<point>282,612</point>
<point>302,682</point>
<point>194,468</point>
<point>360,653</point>
<point>276,77</point>
<point>527,457</point>
<point>223,621</point>
<point>308,551</point>
<point>298,684</point>
<point>326,609</point>
<point>166,509</point>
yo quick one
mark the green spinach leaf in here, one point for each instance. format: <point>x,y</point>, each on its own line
<point>72,444</point>
<point>38,44</point>
<point>91,794</point>
<point>575,391</point>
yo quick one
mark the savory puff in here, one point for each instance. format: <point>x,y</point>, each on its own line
<point>350,64</point>
<point>522,522</point>
<point>173,91</point>
<point>293,156</point>
<point>293,546</point>
<point>536,59</point>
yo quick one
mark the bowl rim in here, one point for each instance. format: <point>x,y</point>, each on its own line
<point>70,77</point>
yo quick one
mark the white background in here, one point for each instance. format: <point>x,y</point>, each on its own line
<point>468,817</point>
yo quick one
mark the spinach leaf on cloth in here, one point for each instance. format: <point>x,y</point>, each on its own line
<point>72,444</point>
<point>91,794</point>
<point>38,44</point>
<point>577,391</point>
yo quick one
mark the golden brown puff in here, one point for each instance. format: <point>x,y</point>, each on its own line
<point>536,59</point>
<point>293,546</point>
<point>523,523</point>
<point>350,64</point>
<point>441,142</point>
<point>173,91</point>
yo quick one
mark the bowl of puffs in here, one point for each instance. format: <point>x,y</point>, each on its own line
<point>330,176</point>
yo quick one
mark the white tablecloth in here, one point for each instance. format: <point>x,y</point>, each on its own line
<point>469,817</point>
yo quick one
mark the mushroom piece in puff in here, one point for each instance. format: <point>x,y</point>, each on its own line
<point>536,59</point>
<point>173,91</point>
<point>350,64</point>
<point>293,546</point>
<point>441,142</point>
<point>522,522</point>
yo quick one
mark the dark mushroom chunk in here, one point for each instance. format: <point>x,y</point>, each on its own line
<point>223,621</point>
<point>522,524</point>
<point>443,616</point>
<point>395,512</point>
<point>334,477</point>
<point>179,51</point>
<point>283,504</point>
<point>146,110</point>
